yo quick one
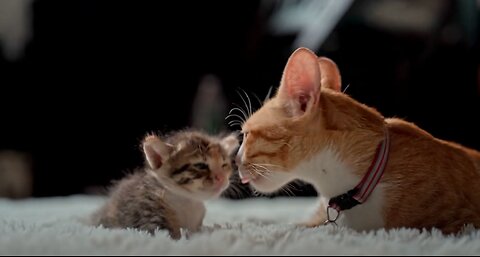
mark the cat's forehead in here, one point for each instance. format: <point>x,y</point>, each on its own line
<point>269,115</point>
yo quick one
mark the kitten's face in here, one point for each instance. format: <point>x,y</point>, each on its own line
<point>278,136</point>
<point>198,166</point>
<point>201,168</point>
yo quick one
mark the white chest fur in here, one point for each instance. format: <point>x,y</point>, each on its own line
<point>331,177</point>
<point>190,213</point>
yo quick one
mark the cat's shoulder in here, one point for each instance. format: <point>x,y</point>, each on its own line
<point>401,126</point>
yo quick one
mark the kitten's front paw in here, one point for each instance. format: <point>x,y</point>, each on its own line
<point>175,235</point>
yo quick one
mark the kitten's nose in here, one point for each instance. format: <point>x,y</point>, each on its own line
<point>218,178</point>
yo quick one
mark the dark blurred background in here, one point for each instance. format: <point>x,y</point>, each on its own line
<point>82,81</point>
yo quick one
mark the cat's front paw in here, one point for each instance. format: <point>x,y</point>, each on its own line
<point>310,224</point>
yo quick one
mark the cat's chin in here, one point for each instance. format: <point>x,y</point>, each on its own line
<point>274,182</point>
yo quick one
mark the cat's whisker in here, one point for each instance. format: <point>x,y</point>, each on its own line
<point>289,145</point>
<point>259,166</point>
<point>290,188</point>
<point>249,103</point>
<point>292,185</point>
<point>258,99</point>
<point>263,174</point>
<point>238,108</point>
<point>268,164</point>
<point>244,102</point>
<point>234,123</point>
<point>235,115</point>
<point>287,191</point>
<point>268,94</point>
<point>262,171</point>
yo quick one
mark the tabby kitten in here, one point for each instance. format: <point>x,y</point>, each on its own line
<point>183,170</point>
<point>370,172</point>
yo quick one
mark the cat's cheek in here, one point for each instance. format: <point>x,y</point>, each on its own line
<point>263,187</point>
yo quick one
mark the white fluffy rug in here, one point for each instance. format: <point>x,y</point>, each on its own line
<point>257,226</point>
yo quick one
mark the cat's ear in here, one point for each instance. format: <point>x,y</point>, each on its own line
<point>230,143</point>
<point>156,152</point>
<point>329,73</point>
<point>300,86</point>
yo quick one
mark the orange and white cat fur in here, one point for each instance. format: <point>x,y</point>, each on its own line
<point>313,132</point>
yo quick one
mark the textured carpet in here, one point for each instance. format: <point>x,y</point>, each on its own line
<point>257,226</point>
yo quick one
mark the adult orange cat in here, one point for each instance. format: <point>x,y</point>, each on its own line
<point>376,172</point>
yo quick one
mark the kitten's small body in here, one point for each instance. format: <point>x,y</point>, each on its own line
<point>182,171</point>
<point>312,131</point>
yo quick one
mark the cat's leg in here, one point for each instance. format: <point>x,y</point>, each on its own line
<point>453,228</point>
<point>319,217</point>
<point>458,225</point>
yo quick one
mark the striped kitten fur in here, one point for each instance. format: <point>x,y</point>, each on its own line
<point>182,170</point>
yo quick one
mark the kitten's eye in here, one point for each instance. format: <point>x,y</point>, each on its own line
<point>201,166</point>
<point>224,166</point>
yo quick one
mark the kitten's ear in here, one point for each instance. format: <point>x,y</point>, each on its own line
<point>156,152</point>
<point>230,143</point>
<point>330,75</point>
<point>300,86</point>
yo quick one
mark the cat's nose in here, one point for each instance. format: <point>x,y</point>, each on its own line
<point>238,160</point>
<point>238,157</point>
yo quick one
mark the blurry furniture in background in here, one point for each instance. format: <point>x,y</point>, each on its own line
<point>16,178</point>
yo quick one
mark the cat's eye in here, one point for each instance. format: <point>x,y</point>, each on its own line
<point>243,136</point>
<point>224,166</point>
<point>201,166</point>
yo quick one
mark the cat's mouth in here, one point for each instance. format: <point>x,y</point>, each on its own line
<point>247,176</point>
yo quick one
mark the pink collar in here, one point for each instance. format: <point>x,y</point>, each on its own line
<point>362,191</point>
